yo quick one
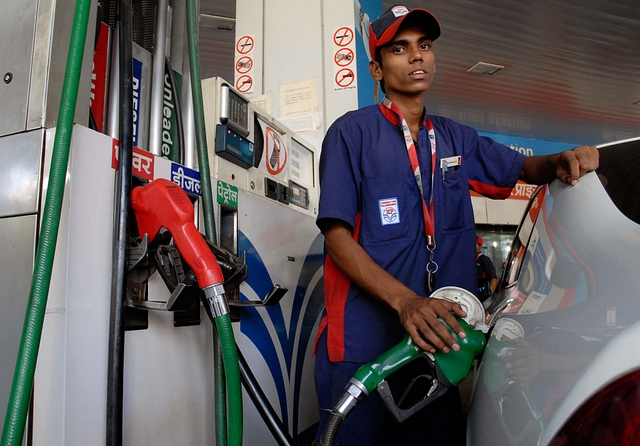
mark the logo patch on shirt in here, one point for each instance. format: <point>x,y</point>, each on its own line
<point>389,211</point>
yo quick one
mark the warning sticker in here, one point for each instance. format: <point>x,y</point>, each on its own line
<point>275,154</point>
<point>344,77</point>
<point>244,65</point>
<point>245,45</point>
<point>344,57</point>
<point>244,84</point>
<point>343,36</point>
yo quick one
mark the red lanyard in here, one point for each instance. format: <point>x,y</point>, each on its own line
<point>427,211</point>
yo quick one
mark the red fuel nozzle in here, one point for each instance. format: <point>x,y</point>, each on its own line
<point>163,204</point>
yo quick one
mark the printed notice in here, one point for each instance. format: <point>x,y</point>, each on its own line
<point>298,98</point>
<point>263,101</point>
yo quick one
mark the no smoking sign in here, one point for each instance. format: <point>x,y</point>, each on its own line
<point>344,56</point>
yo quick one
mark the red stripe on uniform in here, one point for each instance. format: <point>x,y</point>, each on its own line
<point>495,192</point>
<point>389,115</point>
<point>336,289</point>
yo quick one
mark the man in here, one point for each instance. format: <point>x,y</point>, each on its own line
<point>396,214</point>
<point>485,266</point>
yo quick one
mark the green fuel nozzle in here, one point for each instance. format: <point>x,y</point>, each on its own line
<point>455,365</point>
<point>447,369</point>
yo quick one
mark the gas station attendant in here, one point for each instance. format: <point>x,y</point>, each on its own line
<point>396,214</point>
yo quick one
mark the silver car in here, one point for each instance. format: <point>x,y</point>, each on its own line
<point>562,365</point>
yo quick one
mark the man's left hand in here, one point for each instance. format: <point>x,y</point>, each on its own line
<point>574,163</point>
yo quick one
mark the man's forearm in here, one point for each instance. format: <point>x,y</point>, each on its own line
<point>567,166</point>
<point>539,169</point>
<point>360,268</point>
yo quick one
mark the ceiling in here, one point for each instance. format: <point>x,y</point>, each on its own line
<point>571,67</point>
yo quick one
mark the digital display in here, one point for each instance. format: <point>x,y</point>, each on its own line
<point>298,195</point>
<point>238,110</point>
<point>233,147</point>
<point>234,110</point>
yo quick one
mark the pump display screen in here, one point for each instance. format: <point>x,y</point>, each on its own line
<point>298,195</point>
<point>234,110</point>
<point>301,163</point>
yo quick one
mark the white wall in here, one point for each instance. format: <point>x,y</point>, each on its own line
<point>294,43</point>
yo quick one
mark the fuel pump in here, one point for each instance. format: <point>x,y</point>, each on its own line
<point>445,369</point>
<point>163,204</point>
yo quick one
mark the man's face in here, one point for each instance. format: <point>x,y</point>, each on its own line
<point>408,63</point>
<point>478,247</point>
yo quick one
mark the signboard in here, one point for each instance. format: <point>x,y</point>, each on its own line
<point>143,166</point>
<point>275,154</point>
<point>244,65</point>
<point>344,59</point>
<point>227,194</point>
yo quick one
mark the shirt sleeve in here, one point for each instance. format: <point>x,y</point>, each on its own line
<point>496,168</point>
<point>340,177</point>
<point>489,268</point>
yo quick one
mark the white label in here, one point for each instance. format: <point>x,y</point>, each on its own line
<point>452,161</point>
<point>389,211</point>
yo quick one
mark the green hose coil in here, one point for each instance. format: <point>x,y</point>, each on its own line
<point>15,419</point>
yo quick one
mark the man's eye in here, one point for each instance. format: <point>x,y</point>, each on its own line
<point>398,50</point>
<point>425,46</point>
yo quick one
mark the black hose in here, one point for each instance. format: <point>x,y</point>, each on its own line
<point>178,110</point>
<point>115,372</point>
<point>331,428</point>
<point>259,399</point>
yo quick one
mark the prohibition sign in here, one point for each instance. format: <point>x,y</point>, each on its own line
<point>244,83</point>
<point>244,45</point>
<point>344,77</point>
<point>276,152</point>
<point>244,65</point>
<point>343,36</point>
<point>343,57</point>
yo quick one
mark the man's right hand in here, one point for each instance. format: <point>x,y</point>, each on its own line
<point>423,319</point>
<point>418,315</point>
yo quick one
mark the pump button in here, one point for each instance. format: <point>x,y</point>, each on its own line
<point>270,188</point>
<point>283,193</point>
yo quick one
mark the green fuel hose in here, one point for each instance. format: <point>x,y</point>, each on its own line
<point>223,323</point>
<point>15,419</point>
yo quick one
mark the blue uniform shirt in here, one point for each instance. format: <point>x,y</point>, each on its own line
<point>366,181</point>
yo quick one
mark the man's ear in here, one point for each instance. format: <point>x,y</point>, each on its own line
<point>376,70</point>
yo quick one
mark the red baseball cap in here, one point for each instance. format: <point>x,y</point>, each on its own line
<point>382,30</point>
<point>479,241</point>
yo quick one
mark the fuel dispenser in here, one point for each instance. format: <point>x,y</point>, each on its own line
<point>269,251</point>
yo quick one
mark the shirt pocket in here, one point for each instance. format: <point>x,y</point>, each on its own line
<point>453,204</point>
<point>391,209</point>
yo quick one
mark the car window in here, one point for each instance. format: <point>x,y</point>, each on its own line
<point>619,173</point>
<point>521,239</point>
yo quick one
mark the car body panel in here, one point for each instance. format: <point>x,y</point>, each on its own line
<point>572,285</point>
